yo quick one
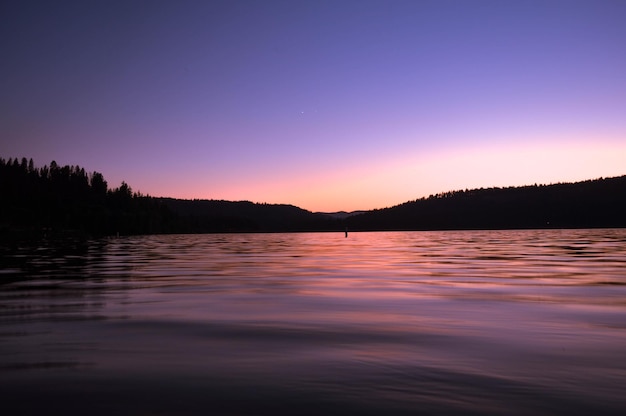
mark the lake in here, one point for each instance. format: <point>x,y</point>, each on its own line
<point>468,322</point>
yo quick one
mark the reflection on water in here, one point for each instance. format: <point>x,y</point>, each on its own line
<point>473,322</point>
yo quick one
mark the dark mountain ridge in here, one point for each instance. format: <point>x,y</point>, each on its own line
<point>595,203</point>
<point>200,215</point>
<point>67,200</point>
<point>340,215</point>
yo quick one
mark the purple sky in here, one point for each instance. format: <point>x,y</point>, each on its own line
<point>328,105</point>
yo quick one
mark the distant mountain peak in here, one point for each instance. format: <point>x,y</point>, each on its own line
<point>341,214</point>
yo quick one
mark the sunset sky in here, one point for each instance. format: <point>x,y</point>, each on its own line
<point>327,105</point>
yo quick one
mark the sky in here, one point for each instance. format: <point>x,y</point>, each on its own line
<point>326,105</point>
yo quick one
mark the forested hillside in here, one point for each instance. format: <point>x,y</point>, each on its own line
<point>60,200</point>
<point>593,203</point>
<point>57,201</point>
<point>223,216</point>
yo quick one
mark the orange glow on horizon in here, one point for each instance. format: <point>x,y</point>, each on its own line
<point>363,185</point>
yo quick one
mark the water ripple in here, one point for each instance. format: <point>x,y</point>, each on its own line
<point>469,322</point>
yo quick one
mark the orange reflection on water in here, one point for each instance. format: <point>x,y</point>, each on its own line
<point>491,318</point>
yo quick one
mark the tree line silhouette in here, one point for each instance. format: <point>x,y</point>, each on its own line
<point>228,216</point>
<point>599,203</point>
<point>56,201</point>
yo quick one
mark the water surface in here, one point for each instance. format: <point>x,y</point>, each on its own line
<point>472,322</point>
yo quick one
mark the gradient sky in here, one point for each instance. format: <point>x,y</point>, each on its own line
<point>327,105</point>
